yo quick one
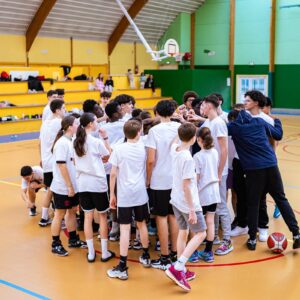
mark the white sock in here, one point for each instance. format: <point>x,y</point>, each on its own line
<point>90,244</point>
<point>45,214</point>
<point>180,263</point>
<point>105,253</point>
<point>137,235</point>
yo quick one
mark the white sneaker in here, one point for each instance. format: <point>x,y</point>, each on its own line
<point>217,241</point>
<point>263,234</point>
<point>237,231</point>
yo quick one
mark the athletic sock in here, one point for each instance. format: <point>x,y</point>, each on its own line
<point>208,246</point>
<point>45,214</point>
<point>146,252</point>
<point>180,263</point>
<point>123,262</point>
<point>164,257</point>
<point>105,253</point>
<point>72,235</point>
<point>90,244</point>
<point>55,240</point>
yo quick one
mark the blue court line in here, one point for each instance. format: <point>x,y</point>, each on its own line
<point>19,137</point>
<point>19,288</point>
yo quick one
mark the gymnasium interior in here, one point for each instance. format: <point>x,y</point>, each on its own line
<point>206,46</point>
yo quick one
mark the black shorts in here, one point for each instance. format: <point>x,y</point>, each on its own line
<point>65,202</point>
<point>209,208</point>
<point>139,213</point>
<point>48,177</point>
<point>90,201</point>
<point>160,200</point>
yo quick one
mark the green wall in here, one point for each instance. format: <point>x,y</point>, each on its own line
<point>252,32</point>
<point>175,82</point>
<point>212,32</point>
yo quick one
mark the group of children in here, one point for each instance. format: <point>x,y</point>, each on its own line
<point>171,171</point>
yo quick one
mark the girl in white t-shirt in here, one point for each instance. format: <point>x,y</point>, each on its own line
<point>206,162</point>
<point>64,187</point>
<point>92,183</point>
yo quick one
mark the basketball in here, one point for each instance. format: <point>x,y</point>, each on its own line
<point>277,242</point>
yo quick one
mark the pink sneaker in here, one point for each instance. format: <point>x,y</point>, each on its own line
<point>189,275</point>
<point>178,277</point>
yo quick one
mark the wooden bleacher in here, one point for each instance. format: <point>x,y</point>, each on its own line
<point>76,92</point>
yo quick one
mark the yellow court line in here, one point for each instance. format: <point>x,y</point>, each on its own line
<point>10,183</point>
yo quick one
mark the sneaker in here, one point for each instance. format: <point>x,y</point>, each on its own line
<point>114,236</point>
<point>173,256</point>
<point>237,231</point>
<point>157,246</point>
<point>145,260</point>
<point>152,231</point>
<point>189,275</point>
<point>194,257</point>
<point>44,222</point>
<point>207,256</point>
<point>276,213</point>
<point>162,264</point>
<point>234,223</point>
<point>130,245</point>
<point>91,260</point>
<point>217,241</point>
<point>77,244</point>
<point>137,245</point>
<point>296,243</point>
<point>59,250</point>
<point>251,244</point>
<point>225,248</point>
<point>112,255</point>
<point>32,211</point>
<point>178,277</point>
<point>117,272</point>
<point>263,234</point>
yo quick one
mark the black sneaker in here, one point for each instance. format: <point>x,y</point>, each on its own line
<point>251,244</point>
<point>59,250</point>
<point>145,260</point>
<point>157,245</point>
<point>77,244</point>
<point>44,222</point>
<point>32,211</point>
<point>296,243</point>
<point>91,260</point>
<point>112,255</point>
<point>161,263</point>
<point>137,245</point>
<point>173,257</point>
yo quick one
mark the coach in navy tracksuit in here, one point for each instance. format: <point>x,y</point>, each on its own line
<point>258,159</point>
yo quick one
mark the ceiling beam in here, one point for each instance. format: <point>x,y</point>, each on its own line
<point>133,11</point>
<point>38,21</point>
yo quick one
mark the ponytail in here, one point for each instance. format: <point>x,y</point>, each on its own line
<point>65,124</point>
<point>80,139</point>
<point>204,134</point>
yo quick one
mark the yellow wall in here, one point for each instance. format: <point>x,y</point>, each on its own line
<point>89,52</point>
<point>57,51</point>
<point>50,51</point>
<point>122,59</point>
<point>12,49</point>
<point>143,59</point>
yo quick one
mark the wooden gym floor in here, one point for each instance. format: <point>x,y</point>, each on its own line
<point>28,270</point>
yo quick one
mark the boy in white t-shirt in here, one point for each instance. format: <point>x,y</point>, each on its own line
<point>49,130</point>
<point>32,181</point>
<point>126,102</point>
<point>186,206</point>
<point>219,133</point>
<point>128,168</point>
<point>159,179</point>
<point>51,95</point>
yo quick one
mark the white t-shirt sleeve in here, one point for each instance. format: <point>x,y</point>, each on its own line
<point>24,184</point>
<point>188,170</point>
<point>221,130</point>
<point>61,153</point>
<point>198,164</point>
<point>151,143</point>
<point>114,158</point>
